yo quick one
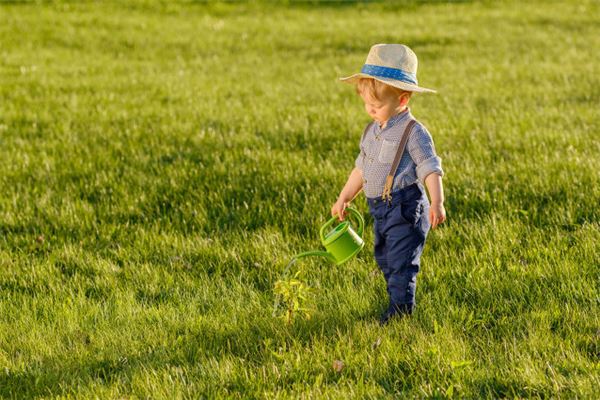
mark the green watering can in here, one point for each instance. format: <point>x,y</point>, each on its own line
<point>342,242</point>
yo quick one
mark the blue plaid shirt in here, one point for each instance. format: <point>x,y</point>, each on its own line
<point>378,148</point>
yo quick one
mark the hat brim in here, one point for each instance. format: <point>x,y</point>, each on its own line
<point>353,79</point>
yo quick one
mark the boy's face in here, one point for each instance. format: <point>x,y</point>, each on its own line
<point>384,109</point>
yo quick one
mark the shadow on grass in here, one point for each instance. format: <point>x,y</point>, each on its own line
<point>60,376</point>
<point>54,378</point>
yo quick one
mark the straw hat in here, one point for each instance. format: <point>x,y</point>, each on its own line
<point>392,64</point>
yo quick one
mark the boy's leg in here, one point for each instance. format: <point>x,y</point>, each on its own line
<point>380,250</point>
<point>405,242</point>
<point>404,259</point>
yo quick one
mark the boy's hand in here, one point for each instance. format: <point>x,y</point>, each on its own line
<point>437,214</point>
<point>339,209</point>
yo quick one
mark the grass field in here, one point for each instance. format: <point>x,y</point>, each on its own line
<point>160,163</point>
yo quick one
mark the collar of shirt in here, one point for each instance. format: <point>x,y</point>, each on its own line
<point>392,121</point>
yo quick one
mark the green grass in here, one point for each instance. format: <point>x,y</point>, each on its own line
<point>160,163</point>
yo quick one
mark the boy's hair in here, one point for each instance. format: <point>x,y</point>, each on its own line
<point>378,90</point>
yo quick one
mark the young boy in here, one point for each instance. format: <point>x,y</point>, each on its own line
<point>392,170</point>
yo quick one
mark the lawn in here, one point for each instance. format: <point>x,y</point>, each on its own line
<point>161,162</point>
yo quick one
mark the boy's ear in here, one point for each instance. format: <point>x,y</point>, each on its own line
<point>404,98</point>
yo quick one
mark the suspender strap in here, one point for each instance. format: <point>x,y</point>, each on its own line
<point>389,181</point>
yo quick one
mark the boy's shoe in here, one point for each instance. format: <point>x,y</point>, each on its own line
<point>396,311</point>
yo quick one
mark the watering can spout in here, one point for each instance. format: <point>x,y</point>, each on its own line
<point>316,254</point>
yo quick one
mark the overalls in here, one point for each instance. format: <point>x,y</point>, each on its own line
<point>401,227</point>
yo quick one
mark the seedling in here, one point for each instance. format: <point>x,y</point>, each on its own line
<point>295,297</point>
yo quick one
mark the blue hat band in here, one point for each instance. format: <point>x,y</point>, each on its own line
<point>386,72</point>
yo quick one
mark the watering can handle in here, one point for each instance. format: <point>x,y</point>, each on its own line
<point>359,217</point>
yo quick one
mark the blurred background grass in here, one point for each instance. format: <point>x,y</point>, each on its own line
<point>161,162</point>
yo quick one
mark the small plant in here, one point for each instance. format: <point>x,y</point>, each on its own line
<point>295,297</point>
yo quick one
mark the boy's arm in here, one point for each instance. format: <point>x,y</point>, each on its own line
<point>429,171</point>
<point>352,187</point>
<point>437,213</point>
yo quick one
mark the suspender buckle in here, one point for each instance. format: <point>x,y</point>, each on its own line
<point>387,189</point>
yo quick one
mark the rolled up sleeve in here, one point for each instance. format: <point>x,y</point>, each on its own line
<point>422,151</point>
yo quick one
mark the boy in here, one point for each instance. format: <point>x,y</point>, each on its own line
<point>396,158</point>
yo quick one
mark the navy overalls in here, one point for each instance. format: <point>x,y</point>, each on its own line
<point>401,227</point>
